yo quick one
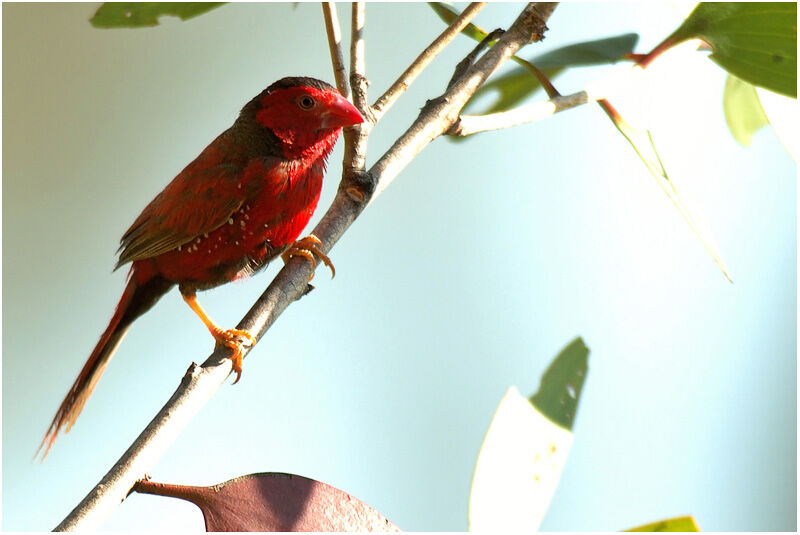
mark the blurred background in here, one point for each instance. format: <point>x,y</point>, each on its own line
<point>479,263</point>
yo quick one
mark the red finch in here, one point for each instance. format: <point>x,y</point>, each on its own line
<point>242,202</point>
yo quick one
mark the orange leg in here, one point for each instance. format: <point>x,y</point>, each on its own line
<point>308,247</point>
<point>226,337</point>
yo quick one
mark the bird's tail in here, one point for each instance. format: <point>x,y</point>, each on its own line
<point>141,293</point>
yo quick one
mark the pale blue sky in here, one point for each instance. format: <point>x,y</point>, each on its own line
<point>467,275</point>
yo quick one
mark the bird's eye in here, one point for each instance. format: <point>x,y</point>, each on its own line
<point>306,102</point>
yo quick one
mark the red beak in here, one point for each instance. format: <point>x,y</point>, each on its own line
<point>340,113</point>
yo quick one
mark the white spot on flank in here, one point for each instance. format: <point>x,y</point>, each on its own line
<point>230,221</point>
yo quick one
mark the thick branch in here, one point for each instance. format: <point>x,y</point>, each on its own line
<point>400,85</point>
<point>335,45</point>
<point>290,283</point>
<point>196,388</point>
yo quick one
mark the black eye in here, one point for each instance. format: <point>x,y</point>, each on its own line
<point>306,102</point>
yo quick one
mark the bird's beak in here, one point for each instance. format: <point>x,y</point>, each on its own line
<point>340,113</point>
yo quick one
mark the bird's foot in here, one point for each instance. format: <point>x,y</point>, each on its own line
<point>232,339</point>
<point>308,247</point>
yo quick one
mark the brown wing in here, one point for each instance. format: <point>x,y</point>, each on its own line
<point>200,199</point>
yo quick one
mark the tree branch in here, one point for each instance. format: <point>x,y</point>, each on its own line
<point>400,85</point>
<point>355,138</point>
<point>536,111</point>
<point>440,114</point>
<point>358,77</point>
<point>335,45</point>
<point>290,283</point>
<point>473,124</point>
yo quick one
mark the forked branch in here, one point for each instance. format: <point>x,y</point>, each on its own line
<point>403,82</point>
<point>201,382</point>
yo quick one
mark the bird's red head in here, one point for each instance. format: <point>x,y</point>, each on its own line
<point>302,112</point>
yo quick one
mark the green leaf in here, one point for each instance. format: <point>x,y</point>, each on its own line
<point>755,41</point>
<point>518,468</point>
<point>511,89</point>
<point>679,523</point>
<point>516,85</point>
<point>596,52</point>
<point>743,111</point>
<point>448,15</point>
<point>524,452</point>
<point>642,142</point>
<point>519,83</point>
<point>562,383</point>
<point>142,14</point>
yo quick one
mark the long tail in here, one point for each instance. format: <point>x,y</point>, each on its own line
<point>141,293</point>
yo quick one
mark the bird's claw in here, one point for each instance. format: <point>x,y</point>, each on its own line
<point>231,338</point>
<point>308,247</point>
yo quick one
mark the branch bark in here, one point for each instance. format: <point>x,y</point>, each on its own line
<point>335,45</point>
<point>473,124</point>
<point>200,382</point>
<point>355,138</point>
<point>405,80</point>
<point>536,111</point>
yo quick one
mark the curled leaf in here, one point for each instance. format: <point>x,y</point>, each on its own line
<point>275,502</point>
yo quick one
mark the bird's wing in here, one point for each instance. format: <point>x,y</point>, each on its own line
<point>200,199</point>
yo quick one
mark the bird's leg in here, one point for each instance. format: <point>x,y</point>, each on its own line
<point>308,247</point>
<point>225,337</point>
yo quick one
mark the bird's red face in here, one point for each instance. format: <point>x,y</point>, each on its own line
<point>301,116</point>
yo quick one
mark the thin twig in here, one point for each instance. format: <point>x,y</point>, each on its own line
<point>473,124</point>
<point>355,138</point>
<point>536,111</point>
<point>464,65</point>
<point>358,67</point>
<point>400,85</point>
<point>335,45</point>
<point>440,114</point>
<point>290,283</point>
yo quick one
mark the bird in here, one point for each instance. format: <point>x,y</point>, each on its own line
<point>241,203</point>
